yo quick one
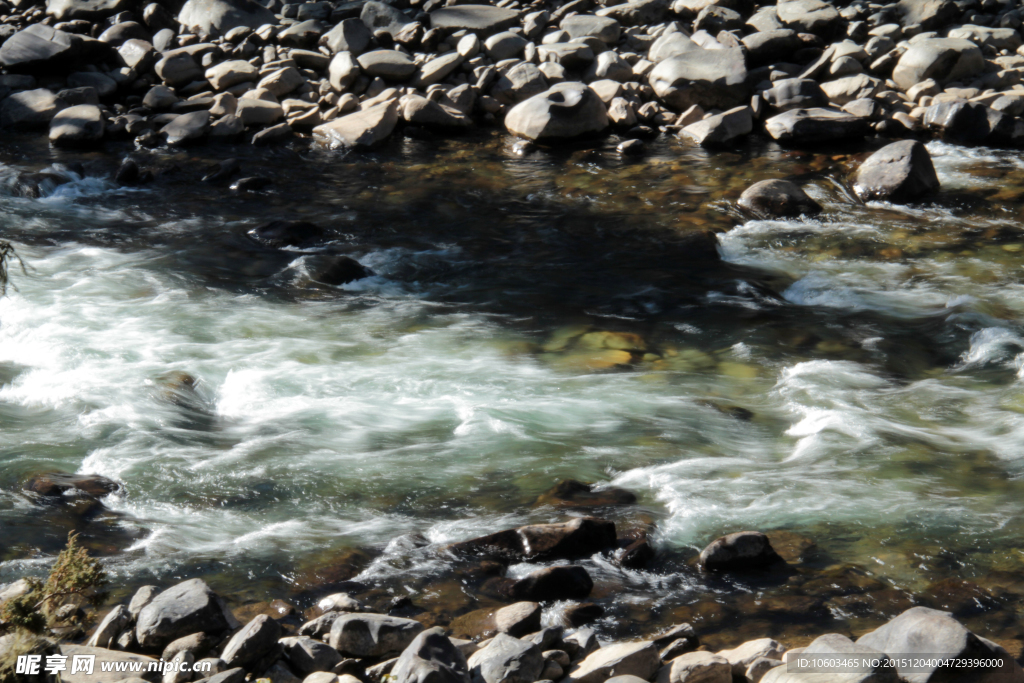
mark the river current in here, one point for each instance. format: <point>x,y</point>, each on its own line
<point>853,380</point>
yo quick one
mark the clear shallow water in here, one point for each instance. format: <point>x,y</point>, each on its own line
<point>532,319</point>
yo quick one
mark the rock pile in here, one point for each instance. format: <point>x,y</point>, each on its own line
<point>348,74</point>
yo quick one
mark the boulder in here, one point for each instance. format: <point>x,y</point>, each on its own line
<point>768,47</point>
<point>696,667</point>
<point>794,93</point>
<point>431,658</point>
<point>77,126</point>
<point>806,126</point>
<point>739,551</point>
<point>579,537</point>
<point>713,79</point>
<point>934,634</point>
<point>364,128</point>
<point>570,493</point>
<point>959,121</point>
<point>941,59</point>
<point>506,660</point>
<point>103,85</point>
<point>720,128</point>
<point>637,12</point>
<point>521,82</point>
<point>30,109</point>
<point>436,69</point>
<point>178,67</point>
<point>306,655</point>
<point>778,199</point>
<point>610,66</point>
<point>58,483</point>
<point>504,45</point>
<point>638,659</point>
<point>743,656</point>
<point>561,582</point>
<point>391,65</point>
<point>564,111</point>
<point>372,635</point>
<point>142,597</point>
<point>900,172</point>
<point>986,36</point>
<point>573,55</point>
<point>254,642</point>
<point>89,10</point>
<point>482,20</point>
<point>928,14</point>
<point>419,110</point>
<point>845,90</point>
<point>217,17</point>
<point>187,128</point>
<point>343,71</point>
<point>350,35</point>
<point>137,54</point>
<point>604,29</point>
<point>198,644</point>
<point>378,16</point>
<point>810,16</point>
<point>517,620</point>
<point>40,49</point>
<point>671,44</point>
<point>110,628</point>
<point>232,72</point>
<point>186,608</point>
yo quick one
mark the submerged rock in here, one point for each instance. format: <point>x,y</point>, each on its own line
<point>561,582</point>
<point>739,551</point>
<point>570,493</point>
<point>900,172</point>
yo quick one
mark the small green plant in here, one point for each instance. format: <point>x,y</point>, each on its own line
<point>8,254</point>
<point>74,576</point>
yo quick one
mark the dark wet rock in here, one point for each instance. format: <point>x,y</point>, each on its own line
<point>187,128</point>
<point>570,493</point>
<point>224,170</point>
<point>39,49</point>
<point>76,96</point>
<point>338,270</point>
<point>712,79</point>
<point>186,608</point>
<point>57,483</point>
<point>778,198</point>
<point>251,184</point>
<point>30,109</point>
<point>580,537</point>
<point>561,582</point>
<point>110,628</point>
<point>35,185</point>
<point>482,20</point>
<point>739,551</point>
<point>103,85</point>
<point>942,59</point>
<point>583,613</point>
<point>78,126</point>
<point>638,659</point>
<point>431,658</point>
<point>807,126</point>
<point>713,131</point>
<point>253,643</point>
<point>674,633</point>
<point>306,655</point>
<point>506,660</point>
<point>217,17</point>
<point>566,110</point>
<point>361,129</point>
<point>350,35</point>
<point>280,233</point>
<point>930,633</point>
<point>901,172</point>
<point>372,635</point>
<point>580,643</point>
<point>517,620</point>
<point>636,554</point>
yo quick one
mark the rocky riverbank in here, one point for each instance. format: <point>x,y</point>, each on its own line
<point>341,640</point>
<point>538,624</point>
<point>350,74</point>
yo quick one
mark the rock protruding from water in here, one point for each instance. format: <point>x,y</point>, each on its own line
<point>743,550</point>
<point>564,111</point>
<point>900,172</point>
<point>78,126</point>
<point>778,199</point>
<point>928,632</point>
<point>561,582</point>
<point>580,537</point>
<point>189,607</point>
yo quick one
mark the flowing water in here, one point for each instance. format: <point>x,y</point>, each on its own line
<point>852,381</point>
